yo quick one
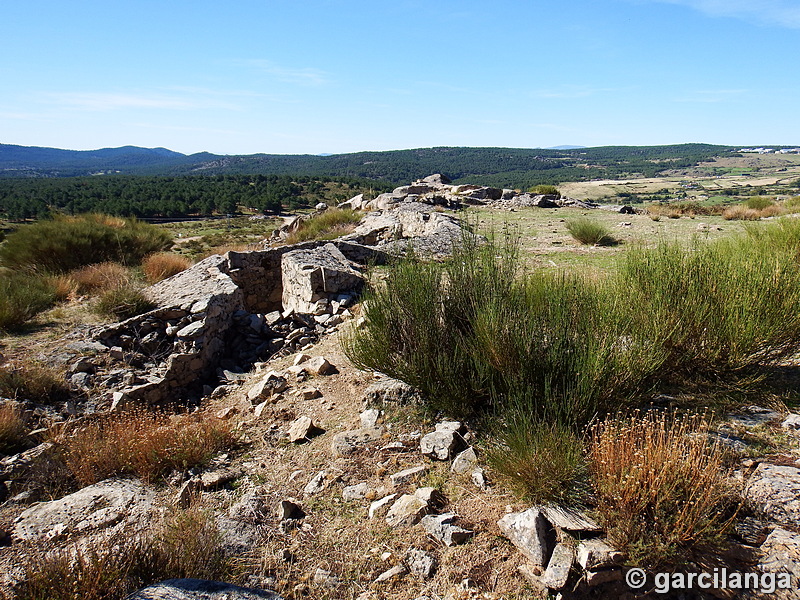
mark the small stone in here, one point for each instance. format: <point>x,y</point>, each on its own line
<point>319,366</point>
<point>558,568</point>
<point>569,519</point>
<point>432,496</point>
<point>439,445</point>
<point>792,422</point>
<point>420,563</point>
<point>355,492</point>
<point>309,393</point>
<point>348,442</point>
<point>408,509</point>
<point>407,475</point>
<point>300,358</point>
<point>441,527</point>
<point>370,417</point>
<point>302,430</point>
<point>214,479</point>
<point>594,553</point>
<point>396,572</point>
<point>465,461</point>
<point>270,385</point>
<point>317,483</point>
<point>380,507</point>
<point>258,411</point>
<point>478,478</point>
<point>226,413</point>
<point>326,579</point>
<point>529,531</point>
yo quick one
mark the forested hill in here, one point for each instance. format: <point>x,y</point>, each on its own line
<point>501,167</point>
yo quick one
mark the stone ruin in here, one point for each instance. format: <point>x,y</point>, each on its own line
<point>216,320</point>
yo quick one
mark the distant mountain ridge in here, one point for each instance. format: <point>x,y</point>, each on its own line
<point>499,167</point>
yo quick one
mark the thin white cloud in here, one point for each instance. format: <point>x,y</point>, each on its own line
<point>300,76</point>
<point>784,13</point>
<point>108,101</point>
<point>711,96</point>
<point>570,91</point>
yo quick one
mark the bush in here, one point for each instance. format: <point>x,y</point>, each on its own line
<point>716,308</point>
<point>660,486</point>
<point>328,225</point>
<point>67,243</point>
<point>100,278</point>
<point>157,267</point>
<point>590,232</point>
<point>123,303</point>
<point>22,297</point>
<point>546,190</point>
<point>146,444</point>
<point>758,202</point>
<point>31,380</point>
<point>187,545</point>
<point>542,462</point>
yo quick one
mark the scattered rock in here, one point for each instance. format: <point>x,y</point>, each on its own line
<point>407,475</point>
<point>390,391</point>
<point>348,442</point>
<point>531,533</point>
<point>213,479</point>
<point>569,519</point>
<point>326,579</point>
<point>420,563</point>
<point>594,553</point>
<point>318,483</point>
<point>380,507</point>
<point>754,416</point>
<point>396,572</point>
<point>113,503</point>
<point>355,492</point>
<point>370,417</point>
<point>268,386</point>
<point>478,478</point>
<point>558,568</point>
<point>464,461</point>
<point>441,527</point>
<point>319,366</point>
<point>781,554</point>
<point>408,509</point>
<point>791,422</point>
<point>303,429</point>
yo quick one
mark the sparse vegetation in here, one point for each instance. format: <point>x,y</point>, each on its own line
<point>67,243</point>
<point>31,380</point>
<point>12,429</point>
<point>22,297</point>
<point>123,303</point>
<point>328,225</point>
<point>100,278</point>
<point>162,265</point>
<point>590,232</point>
<point>547,190</point>
<point>186,544</point>
<point>661,487</point>
<point>146,444</point>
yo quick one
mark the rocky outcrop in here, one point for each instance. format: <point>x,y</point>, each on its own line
<point>199,589</point>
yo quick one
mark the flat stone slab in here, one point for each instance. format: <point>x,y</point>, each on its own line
<point>100,506</point>
<point>348,442</point>
<point>199,589</point>
<point>775,491</point>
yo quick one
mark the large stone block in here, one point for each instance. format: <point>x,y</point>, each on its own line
<point>311,278</point>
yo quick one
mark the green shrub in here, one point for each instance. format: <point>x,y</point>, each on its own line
<point>22,297</point>
<point>67,243</point>
<point>547,190</point>
<point>327,225</point>
<point>758,202</point>
<point>542,462</point>
<point>719,307</point>
<point>123,303</point>
<point>590,232</point>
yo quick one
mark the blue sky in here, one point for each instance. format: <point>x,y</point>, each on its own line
<point>318,76</point>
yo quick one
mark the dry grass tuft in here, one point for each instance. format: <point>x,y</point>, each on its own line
<point>143,443</point>
<point>31,380</point>
<point>12,429</point>
<point>743,212</point>
<point>187,544</point>
<point>157,267</point>
<point>99,278</point>
<point>661,486</point>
